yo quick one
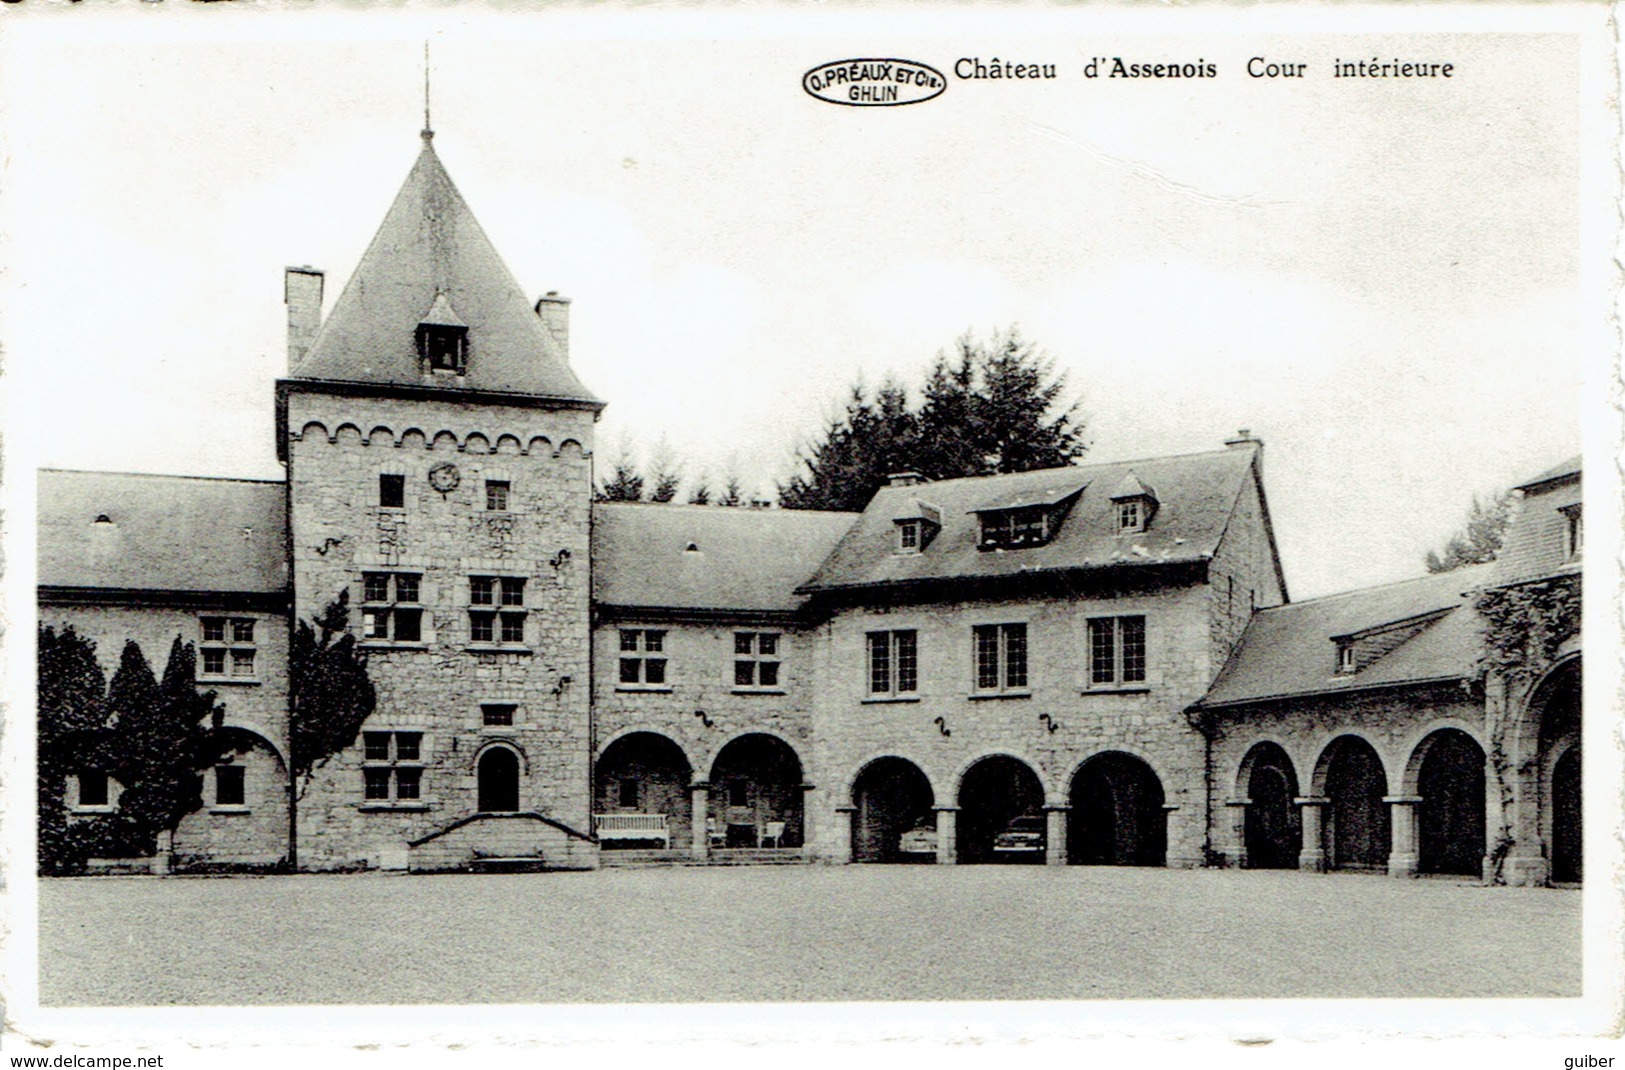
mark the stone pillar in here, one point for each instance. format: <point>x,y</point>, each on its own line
<point>1312,853</point>
<point>1233,845</point>
<point>1179,853</point>
<point>947,820</point>
<point>1402,853</point>
<point>1526,862</point>
<point>699,794</point>
<point>1055,835</point>
<point>840,850</point>
<point>163,858</point>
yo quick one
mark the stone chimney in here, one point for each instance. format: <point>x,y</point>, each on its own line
<point>904,479</point>
<point>554,312</point>
<point>302,293</point>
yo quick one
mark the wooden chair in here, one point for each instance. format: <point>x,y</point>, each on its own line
<point>773,830</point>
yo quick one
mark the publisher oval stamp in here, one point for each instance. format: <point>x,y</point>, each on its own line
<point>874,83</point>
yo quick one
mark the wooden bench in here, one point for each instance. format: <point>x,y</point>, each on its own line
<point>632,827</point>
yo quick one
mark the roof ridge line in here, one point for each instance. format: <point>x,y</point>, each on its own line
<point>160,475</point>
<point>1069,468</point>
<point>1364,590</point>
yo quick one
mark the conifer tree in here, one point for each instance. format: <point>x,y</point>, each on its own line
<point>72,714</point>
<point>1480,538</point>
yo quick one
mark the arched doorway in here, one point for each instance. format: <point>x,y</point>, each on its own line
<point>891,796</point>
<point>756,793</point>
<point>499,781</point>
<point>1558,703</point>
<point>1450,817</point>
<point>1117,817</point>
<point>646,774</point>
<point>1356,835</point>
<point>993,793</point>
<point>1273,828</point>
<point>1566,855</point>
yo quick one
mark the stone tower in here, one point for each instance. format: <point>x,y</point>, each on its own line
<point>437,447</point>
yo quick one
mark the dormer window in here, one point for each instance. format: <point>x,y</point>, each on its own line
<point>1014,528</point>
<point>442,339</point>
<point>1575,532</point>
<point>1136,504</point>
<point>1345,658</point>
<point>443,348</point>
<point>917,524</point>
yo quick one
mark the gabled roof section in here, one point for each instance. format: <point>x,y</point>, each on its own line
<point>161,533</point>
<point>1569,468</point>
<point>743,560</point>
<point>432,262</point>
<point>1291,650</point>
<point>1197,491</point>
<point>1131,487</point>
<point>1537,540</point>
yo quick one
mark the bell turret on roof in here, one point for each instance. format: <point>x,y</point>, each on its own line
<point>430,263</point>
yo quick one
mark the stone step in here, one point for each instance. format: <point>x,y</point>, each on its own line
<point>735,856</point>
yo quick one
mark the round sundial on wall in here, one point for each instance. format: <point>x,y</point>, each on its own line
<point>444,477</point>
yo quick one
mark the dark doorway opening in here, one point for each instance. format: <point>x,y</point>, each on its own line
<point>756,793</point>
<point>1357,826</point>
<point>1566,813</point>
<point>1117,817</point>
<point>1450,817</point>
<point>891,797</point>
<point>1273,827</point>
<point>993,794</point>
<point>499,781</point>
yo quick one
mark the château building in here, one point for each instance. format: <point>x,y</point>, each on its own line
<point>1095,664</point>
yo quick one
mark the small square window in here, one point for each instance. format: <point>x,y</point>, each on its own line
<point>93,789</point>
<point>908,535</point>
<point>482,590</point>
<point>513,591</point>
<point>377,783</point>
<point>214,629</point>
<point>229,785</point>
<point>375,586</point>
<point>513,627</point>
<point>376,745</point>
<point>242,663</point>
<point>375,624</point>
<point>406,587</point>
<point>406,746</point>
<point>496,495</point>
<point>214,662</point>
<point>497,714</point>
<point>392,491</point>
<point>242,631</point>
<point>482,627</point>
<point>654,670</point>
<point>408,625</point>
<point>407,784</point>
<point>1129,516</point>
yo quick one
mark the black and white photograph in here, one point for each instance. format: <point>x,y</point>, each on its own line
<point>565,525</point>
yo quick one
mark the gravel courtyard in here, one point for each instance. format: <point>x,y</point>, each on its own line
<point>799,933</point>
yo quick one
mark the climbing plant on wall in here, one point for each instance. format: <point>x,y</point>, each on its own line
<point>1524,627</point>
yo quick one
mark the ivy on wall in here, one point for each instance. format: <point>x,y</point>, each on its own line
<point>1524,627</point>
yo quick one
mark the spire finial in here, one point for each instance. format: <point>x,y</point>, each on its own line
<point>428,127</point>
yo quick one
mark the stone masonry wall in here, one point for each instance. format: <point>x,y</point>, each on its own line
<point>1393,721</point>
<point>1148,722</point>
<point>257,706</point>
<point>438,684</point>
<point>700,677</point>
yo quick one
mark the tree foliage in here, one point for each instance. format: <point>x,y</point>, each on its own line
<point>992,406</point>
<point>154,737</point>
<point>1480,538</point>
<point>332,693</point>
<point>166,734</point>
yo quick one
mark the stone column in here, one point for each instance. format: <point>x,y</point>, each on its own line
<point>1234,847</point>
<point>1178,854</point>
<point>162,859</point>
<point>840,850</point>
<point>699,794</point>
<point>947,819</point>
<point>1055,835</point>
<point>1312,853</point>
<point>1402,854</point>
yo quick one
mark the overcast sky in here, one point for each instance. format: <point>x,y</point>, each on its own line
<point>1382,280</point>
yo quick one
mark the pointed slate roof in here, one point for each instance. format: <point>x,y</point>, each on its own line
<point>1131,487</point>
<point>432,262</point>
